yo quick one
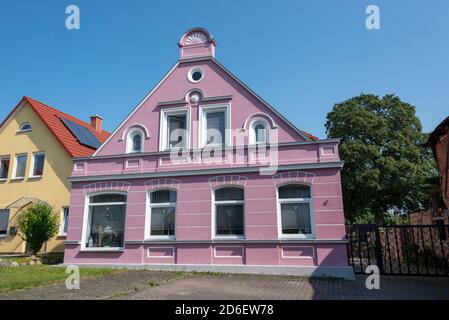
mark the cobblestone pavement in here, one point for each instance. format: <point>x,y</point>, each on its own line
<point>170,285</point>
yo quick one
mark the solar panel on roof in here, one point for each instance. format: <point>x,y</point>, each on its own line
<point>81,133</point>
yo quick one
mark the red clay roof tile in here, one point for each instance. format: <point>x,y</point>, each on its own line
<point>52,119</point>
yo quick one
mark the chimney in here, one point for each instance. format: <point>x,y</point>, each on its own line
<point>96,122</point>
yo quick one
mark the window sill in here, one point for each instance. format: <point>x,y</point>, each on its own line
<point>17,178</point>
<point>34,177</point>
<point>297,237</point>
<point>229,238</point>
<point>102,249</point>
<point>157,238</point>
<point>3,179</point>
<point>3,236</point>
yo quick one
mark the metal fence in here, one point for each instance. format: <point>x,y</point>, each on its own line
<point>400,249</point>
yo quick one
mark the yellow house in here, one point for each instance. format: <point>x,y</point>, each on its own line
<point>37,144</point>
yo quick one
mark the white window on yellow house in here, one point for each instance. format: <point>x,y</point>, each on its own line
<point>25,127</point>
<point>4,219</point>
<point>37,165</point>
<point>20,166</point>
<point>4,167</point>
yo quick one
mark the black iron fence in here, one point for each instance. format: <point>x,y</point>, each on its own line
<point>400,249</point>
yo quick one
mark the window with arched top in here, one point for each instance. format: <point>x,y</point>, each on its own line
<point>229,212</point>
<point>26,126</point>
<point>105,225</point>
<point>161,214</point>
<point>134,142</point>
<point>295,211</point>
<point>259,132</point>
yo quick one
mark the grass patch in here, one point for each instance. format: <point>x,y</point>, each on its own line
<point>15,278</point>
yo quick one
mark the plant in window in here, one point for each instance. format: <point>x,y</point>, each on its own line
<point>106,221</point>
<point>37,225</point>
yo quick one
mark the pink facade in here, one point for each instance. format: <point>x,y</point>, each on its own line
<point>259,223</point>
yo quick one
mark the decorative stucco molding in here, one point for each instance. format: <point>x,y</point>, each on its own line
<point>162,183</point>
<point>294,176</point>
<point>183,173</point>
<point>194,96</point>
<point>196,36</point>
<point>227,180</point>
<point>135,126</point>
<point>107,186</point>
<point>257,116</point>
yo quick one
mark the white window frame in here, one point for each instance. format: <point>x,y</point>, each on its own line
<point>202,134</point>
<point>192,71</point>
<point>295,200</point>
<point>163,131</point>
<point>9,169</point>
<point>33,160</point>
<point>7,223</point>
<point>130,142</point>
<point>87,205</point>
<point>63,221</point>
<point>23,125</point>
<point>149,206</point>
<point>16,158</point>
<point>252,132</point>
<point>214,214</point>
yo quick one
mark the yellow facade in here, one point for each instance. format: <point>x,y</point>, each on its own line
<point>53,187</point>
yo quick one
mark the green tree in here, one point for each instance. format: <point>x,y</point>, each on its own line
<point>38,224</point>
<point>386,170</point>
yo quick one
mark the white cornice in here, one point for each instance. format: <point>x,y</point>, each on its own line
<point>302,166</point>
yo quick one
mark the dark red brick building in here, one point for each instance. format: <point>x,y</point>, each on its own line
<point>438,213</point>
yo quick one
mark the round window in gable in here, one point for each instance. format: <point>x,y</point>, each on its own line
<point>195,75</point>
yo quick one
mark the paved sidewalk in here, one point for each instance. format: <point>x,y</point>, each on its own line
<point>170,285</point>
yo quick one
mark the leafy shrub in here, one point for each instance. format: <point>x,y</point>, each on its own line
<point>38,224</point>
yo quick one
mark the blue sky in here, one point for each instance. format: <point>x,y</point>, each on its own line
<point>301,56</point>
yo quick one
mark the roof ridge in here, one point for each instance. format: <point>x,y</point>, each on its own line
<point>59,111</point>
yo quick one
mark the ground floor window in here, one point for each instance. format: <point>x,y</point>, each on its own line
<point>162,212</point>
<point>294,206</point>
<point>106,221</point>
<point>64,221</point>
<point>4,219</point>
<point>229,212</point>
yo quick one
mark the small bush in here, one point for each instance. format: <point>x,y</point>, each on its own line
<point>38,224</point>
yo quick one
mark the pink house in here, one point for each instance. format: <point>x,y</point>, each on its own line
<point>205,175</point>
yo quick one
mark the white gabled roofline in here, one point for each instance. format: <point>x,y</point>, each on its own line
<point>135,109</point>
<point>227,72</point>
<point>260,99</point>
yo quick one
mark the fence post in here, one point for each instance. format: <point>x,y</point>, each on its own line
<point>378,250</point>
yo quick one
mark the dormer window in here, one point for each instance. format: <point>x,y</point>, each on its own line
<point>259,132</point>
<point>25,127</point>
<point>134,142</point>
